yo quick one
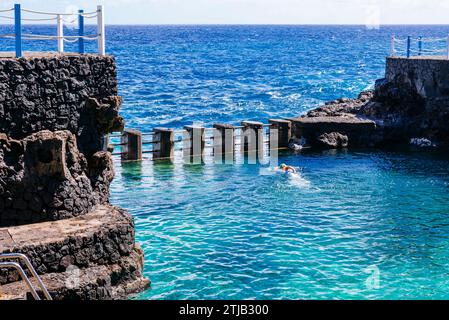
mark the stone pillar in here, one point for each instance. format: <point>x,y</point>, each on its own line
<point>283,134</point>
<point>163,143</point>
<point>252,136</point>
<point>194,142</point>
<point>224,142</point>
<point>131,141</point>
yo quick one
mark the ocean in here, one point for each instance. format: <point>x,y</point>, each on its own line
<point>359,224</point>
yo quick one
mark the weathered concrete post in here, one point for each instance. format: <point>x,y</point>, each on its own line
<point>163,143</point>
<point>284,132</point>
<point>295,130</point>
<point>252,140</point>
<point>194,142</point>
<point>224,142</point>
<point>131,141</point>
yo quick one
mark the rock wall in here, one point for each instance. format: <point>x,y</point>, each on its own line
<point>54,111</point>
<point>428,77</point>
<point>53,93</point>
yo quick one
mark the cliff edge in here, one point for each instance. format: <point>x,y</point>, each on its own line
<point>55,176</point>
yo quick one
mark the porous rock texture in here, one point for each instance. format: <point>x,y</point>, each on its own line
<point>55,175</point>
<point>411,102</point>
<point>45,177</point>
<point>54,111</point>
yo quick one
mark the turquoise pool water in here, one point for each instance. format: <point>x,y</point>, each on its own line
<point>355,225</point>
<point>362,224</point>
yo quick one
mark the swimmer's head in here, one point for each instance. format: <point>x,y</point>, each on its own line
<point>282,166</point>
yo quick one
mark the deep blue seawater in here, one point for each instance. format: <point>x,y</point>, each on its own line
<point>363,224</point>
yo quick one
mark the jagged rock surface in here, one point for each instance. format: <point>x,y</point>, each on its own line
<point>45,177</point>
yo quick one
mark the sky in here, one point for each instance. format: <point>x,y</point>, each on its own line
<point>366,12</point>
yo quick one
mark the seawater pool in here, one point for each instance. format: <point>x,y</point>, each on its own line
<point>356,225</point>
<point>215,231</point>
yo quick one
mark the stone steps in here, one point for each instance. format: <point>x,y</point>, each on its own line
<point>100,245</point>
<point>97,282</point>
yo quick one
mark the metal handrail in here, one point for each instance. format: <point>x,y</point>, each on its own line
<point>17,266</point>
<point>27,262</point>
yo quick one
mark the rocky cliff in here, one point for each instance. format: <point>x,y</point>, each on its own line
<point>55,176</point>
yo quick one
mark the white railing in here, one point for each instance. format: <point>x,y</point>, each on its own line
<point>59,18</point>
<point>415,46</point>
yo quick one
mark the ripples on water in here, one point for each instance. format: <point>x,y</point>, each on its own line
<point>228,232</point>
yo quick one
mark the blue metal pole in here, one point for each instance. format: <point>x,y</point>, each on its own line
<point>408,46</point>
<point>18,30</point>
<point>420,45</point>
<point>81,31</point>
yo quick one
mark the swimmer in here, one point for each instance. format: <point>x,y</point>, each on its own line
<point>287,168</point>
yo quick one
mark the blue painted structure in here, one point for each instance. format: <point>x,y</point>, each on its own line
<point>18,29</point>
<point>18,36</point>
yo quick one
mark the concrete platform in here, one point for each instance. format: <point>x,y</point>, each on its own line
<point>331,124</point>
<point>99,244</point>
<point>354,130</point>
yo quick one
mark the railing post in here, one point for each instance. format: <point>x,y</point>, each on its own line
<point>60,33</point>
<point>101,31</point>
<point>448,46</point>
<point>393,46</point>
<point>408,46</point>
<point>419,46</point>
<point>163,143</point>
<point>224,142</point>
<point>131,141</point>
<point>284,132</point>
<point>18,29</point>
<point>194,142</point>
<point>81,31</point>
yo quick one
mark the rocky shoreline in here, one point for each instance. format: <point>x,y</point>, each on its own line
<point>410,105</point>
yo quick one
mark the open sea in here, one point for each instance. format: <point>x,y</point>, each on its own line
<point>360,224</point>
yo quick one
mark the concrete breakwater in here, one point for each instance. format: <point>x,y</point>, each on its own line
<point>409,105</point>
<point>55,176</point>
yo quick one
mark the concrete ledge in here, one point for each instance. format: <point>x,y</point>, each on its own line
<point>39,54</point>
<point>331,124</point>
<point>349,130</point>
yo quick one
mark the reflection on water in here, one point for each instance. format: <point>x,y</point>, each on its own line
<point>228,231</point>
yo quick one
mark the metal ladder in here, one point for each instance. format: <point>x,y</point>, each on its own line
<point>18,267</point>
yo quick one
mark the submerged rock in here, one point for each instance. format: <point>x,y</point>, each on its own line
<point>333,140</point>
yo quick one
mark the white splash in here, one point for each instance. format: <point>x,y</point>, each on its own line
<point>297,180</point>
<point>294,179</point>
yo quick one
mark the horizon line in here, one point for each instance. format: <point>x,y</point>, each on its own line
<point>243,24</point>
